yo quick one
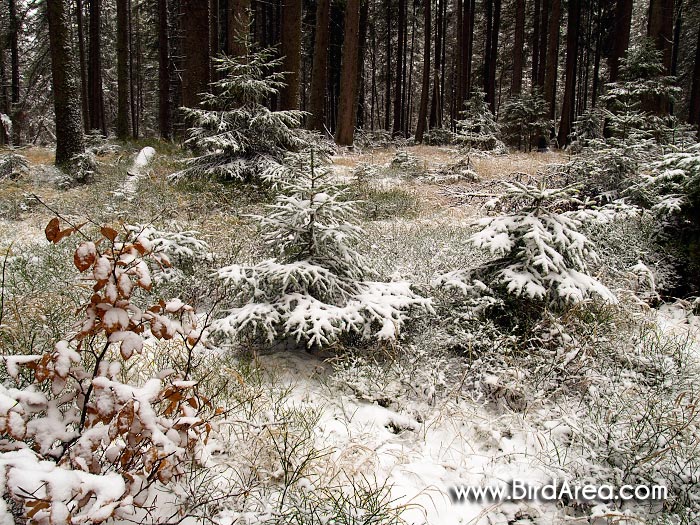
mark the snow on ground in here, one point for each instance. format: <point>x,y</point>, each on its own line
<point>137,170</point>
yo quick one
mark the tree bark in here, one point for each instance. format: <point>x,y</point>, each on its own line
<point>435,109</point>
<point>362,51</point>
<point>16,113</point>
<point>387,76</point>
<point>518,48</point>
<point>568,105</point>
<point>400,58</point>
<point>536,41</point>
<point>621,41</point>
<point>348,76</point>
<point>95,92</point>
<point>66,94</point>
<point>694,109</point>
<point>660,29</point>
<point>238,27</point>
<point>164,100</point>
<point>195,29</point>
<point>550,77</point>
<point>544,32</point>
<point>83,66</point>
<point>291,51</point>
<point>123,62</point>
<point>491,55</point>
<point>319,71</point>
<point>425,88</point>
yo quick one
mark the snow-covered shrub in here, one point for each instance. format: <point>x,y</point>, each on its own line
<point>541,254</point>
<point>315,290</point>
<point>439,137</point>
<point>236,136</point>
<point>373,139</point>
<point>13,165</point>
<point>365,173</point>
<point>79,444</point>
<point>478,128</point>
<point>405,162</point>
<point>525,119</point>
<point>460,171</point>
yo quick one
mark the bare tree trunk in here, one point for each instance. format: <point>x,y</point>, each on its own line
<point>694,109</point>
<point>550,77</point>
<point>95,92</point>
<point>123,63</point>
<point>164,100</point>
<point>568,105</point>
<point>83,66</point>
<point>400,57</point>
<point>348,76</point>
<point>470,46</point>
<point>362,51</point>
<point>291,51</point>
<point>598,52</point>
<point>544,31</point>
<point>621,28</point>
<point>435,109</point>
<point>195,29</point>
<point>238,27</point>
<point>536,41</point>
<point>319,71</point>
<point>16,111</point>
<point>387,77</point>
<point>4,103</point>
<point>214,47</point>
<point>425,89</point>
<point>69,131</point>
<point>491,55</point>
<point>660,29</point>
<point>518,48</point>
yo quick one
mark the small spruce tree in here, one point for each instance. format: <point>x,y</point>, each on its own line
<point>316,289</point>
<point>235,136</point>
<point>478,128</point>
<point>525,119</point>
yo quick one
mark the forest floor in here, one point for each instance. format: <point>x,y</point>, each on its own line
<point>401,424</point>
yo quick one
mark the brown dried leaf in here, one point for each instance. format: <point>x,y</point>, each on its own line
<point>109,232</point>
<point>52,229</point>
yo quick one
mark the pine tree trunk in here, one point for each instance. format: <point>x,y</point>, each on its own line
<point>238,27</point>
<point>550,77</point>
<point>470,46</point>
<point>387,76</point>
<point>694,109</point>
<point>569,103</point>
<point>362,51</point>
<point>4,103</point>
<point>95,92</point>
<point>291,51</point>
<point>123,63</point>
<point>400,57</point>
<point>660,29</point>
<point>621,28</point>
<point>83,66</point>
<point>536,41</point>
<point>164,101</point>
<point>214,47</point>
<point>66,94</point>
<point>544,32</point>
<point>518,48</point>
<point>598,52</point>
<point>435,109</point>
<point>491,58</point>
<point>319,71</point>
<point>195,29</point>
<point>425,88</point>
<point>348,76</point>
<point>16,111</point>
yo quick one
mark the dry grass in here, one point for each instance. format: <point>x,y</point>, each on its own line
<point>37,155</point>
<point>499,167</point>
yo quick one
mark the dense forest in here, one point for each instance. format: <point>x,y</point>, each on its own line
<point>405,68</point>
<point>350,262</point>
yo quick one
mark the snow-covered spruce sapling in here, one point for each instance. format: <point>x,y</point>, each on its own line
<point>315,290</point>
<point>234,135</point>
<point>478,128</point>
<point>525,120</point>
<point>541,254</point>
<point>81,445</point>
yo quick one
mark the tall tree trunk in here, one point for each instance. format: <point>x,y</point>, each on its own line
<point>4,103</point>
<point>694,109</point>
<point>425,88</point>
<point>660,29</point>
<point>95,92</point>
<point>400,58</point>
<point>238,27</point>
<point>319,71</point>
<point>569,103</point>
<point>16,113</point>
<point>195,29</point>
<point>518,48</point>
<point>598,51</point>
<point>435,109</point>
<point>66,94</point>
<point>348,76</point>
<point>291,51</point>
<point>536,41</point>
<point>551,71</point>
<point>362,51</point>
<point>677,39</point>
<point>544,32</point>
<point>83,66</point>
<point>387,76</point>
<point>214,48</point>
<point>470,46</point>
<point>621,30</point>
<point>491,55</point>
<point>164,100</point>
<point>123,63</point>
